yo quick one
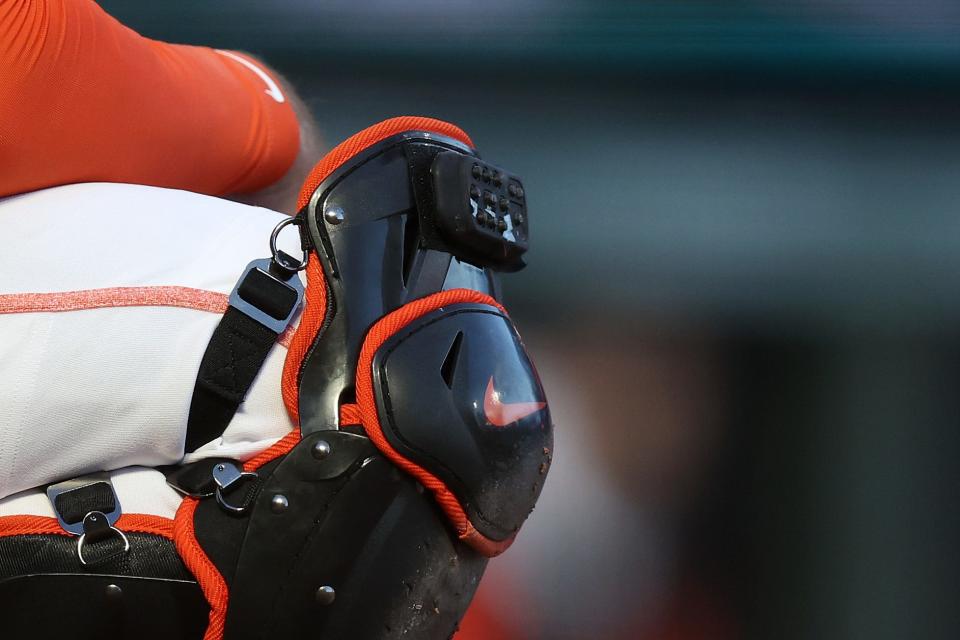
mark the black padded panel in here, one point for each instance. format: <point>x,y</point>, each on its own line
<point>356,523</point>
<point>150,556</point>
<point>101,607</point>
<point>221,533</point>
<point>458,395</point>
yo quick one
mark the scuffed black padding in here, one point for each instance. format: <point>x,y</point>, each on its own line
<point>101,607</point>
<point>355,523</point>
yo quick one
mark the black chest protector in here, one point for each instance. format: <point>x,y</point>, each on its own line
<point>424,434</point>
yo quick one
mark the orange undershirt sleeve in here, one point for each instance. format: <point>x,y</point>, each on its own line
<point>83,98</point>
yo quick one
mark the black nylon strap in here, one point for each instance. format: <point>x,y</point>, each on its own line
<point>194,479</point>
<point>233,358</point>
<point>73,505</point>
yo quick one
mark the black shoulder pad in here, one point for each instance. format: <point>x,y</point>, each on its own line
<point>458,396</point>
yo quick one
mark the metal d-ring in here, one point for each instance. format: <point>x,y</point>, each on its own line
<point>225,475</point>
<point>278,255</point>
<point>92,519</point>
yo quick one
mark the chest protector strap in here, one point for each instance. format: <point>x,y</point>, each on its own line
<point>262,304</point>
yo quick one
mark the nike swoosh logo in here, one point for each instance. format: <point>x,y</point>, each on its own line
<point>272,89</point>
<point>501,414</point>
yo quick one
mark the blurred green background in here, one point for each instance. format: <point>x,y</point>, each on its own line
<point>743,290</point>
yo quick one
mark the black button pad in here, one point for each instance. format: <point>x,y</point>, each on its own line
<point>481,210</point>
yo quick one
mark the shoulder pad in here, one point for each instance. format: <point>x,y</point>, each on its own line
<point>461,405</point>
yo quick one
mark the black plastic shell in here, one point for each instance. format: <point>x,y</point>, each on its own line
<point>385,252</point>
<point>444,385</point>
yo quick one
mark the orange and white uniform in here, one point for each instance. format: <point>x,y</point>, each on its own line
<point>84,98</point>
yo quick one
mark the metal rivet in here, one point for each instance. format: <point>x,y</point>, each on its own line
<point>321,449</point>
<point>326,595</point>
<point>113,591</point>
<point>279,503</point>
<point>333,215</point>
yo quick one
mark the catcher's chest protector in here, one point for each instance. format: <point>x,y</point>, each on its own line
<point>414,442</point>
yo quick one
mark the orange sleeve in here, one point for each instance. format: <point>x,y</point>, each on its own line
<point>83,98</point>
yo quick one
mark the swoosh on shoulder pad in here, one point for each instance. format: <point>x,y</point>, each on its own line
<point>501,414</point>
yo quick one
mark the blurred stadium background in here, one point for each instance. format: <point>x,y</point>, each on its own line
<point>744,291</point>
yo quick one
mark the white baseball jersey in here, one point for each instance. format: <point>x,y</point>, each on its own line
<point>109,294</point>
